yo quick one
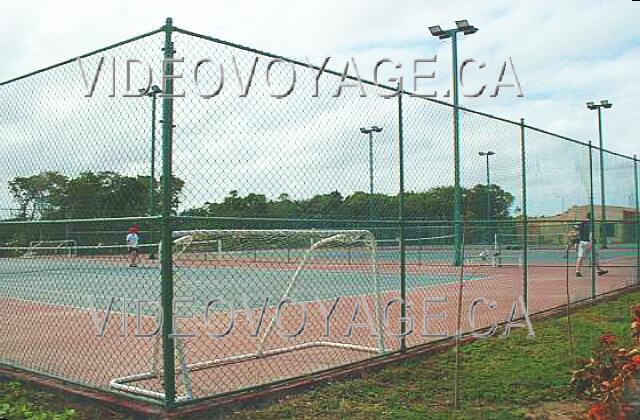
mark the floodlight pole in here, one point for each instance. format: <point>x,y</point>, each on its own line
<point>464,27</point>
<point>488,189</point>
<point>153,94</point>
<point>603,206</point>
<point>457,191</point>
<point>488,154</point>
<point>369,132</point>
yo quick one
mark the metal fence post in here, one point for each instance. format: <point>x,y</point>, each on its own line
<point>166,256</point>
<point>593,225</point>
<point>403,256</point>
<point>525,226</point>
<point>637,200</point>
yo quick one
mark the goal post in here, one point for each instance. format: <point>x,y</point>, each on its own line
<point>61,247</point>
<point>321,260</point>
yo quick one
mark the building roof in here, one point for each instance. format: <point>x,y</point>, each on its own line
<point>580,212</point>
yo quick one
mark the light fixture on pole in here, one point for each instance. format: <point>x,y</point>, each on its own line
<point>369,132</point>
<point>464,27</point>
<point>603,203</point>
<point>487,154</point>
<point>153,94</point>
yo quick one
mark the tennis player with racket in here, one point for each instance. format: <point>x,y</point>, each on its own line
<point>132,245</point>
<point>585,242</point>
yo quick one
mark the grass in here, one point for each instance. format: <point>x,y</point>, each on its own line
<point>24,402</point>
<point>500,378</point>
<point>16,402</point>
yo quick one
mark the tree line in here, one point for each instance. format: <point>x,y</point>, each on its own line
<point>89,195</point>
<point>52,195</point>
<point>436,204</point>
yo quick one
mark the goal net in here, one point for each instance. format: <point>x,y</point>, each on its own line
<point>55,248</point>
<point>309,297</point>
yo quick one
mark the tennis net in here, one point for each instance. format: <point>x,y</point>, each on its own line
<point>33,259</point>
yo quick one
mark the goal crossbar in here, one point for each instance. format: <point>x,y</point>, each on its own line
<point>321,239</point>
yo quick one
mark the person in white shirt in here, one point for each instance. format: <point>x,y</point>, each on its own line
<point>586,243</point>
<point>132,245</point>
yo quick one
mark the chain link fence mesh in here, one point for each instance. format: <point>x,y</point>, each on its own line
<point>328,212</point>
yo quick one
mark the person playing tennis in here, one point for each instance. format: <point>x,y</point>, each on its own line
<point>585,242</point>
<point>132,245</point>
<point>572,238</point>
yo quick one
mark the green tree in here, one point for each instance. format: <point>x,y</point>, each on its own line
<point>38,196</point>
<point>356,205</point>
<point>434,204</point>
<point>476,202</point>
<point>106,194</point>
<point>323,205</point>
<point>283,207</point>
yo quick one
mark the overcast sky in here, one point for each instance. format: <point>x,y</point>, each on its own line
<point>564,53</point>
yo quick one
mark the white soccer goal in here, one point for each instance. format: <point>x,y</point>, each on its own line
<point>62,247</point>
<point>310,276</point>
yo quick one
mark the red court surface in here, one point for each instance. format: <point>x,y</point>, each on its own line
<point>63,341</point>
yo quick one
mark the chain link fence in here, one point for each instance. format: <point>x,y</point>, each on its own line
<point>280,231</point>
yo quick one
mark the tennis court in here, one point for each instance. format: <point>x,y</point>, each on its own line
<point>90,276</point>
<point>91,302</point>
<point>437,251</point>
<point>79,283</point>
<point>66,293</point>
<point>65,280</point>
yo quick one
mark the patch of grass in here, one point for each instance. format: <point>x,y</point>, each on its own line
<point>18,403</point>
<point>500,378</point>
<point>24,402</point>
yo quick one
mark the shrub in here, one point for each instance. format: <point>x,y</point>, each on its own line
<point>602,378</point>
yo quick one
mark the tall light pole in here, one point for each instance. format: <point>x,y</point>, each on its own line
<point>464,27</point>
<point>153,94</point>
<point>603,206</point>
<point>369,131</point>
<point>487,154</point>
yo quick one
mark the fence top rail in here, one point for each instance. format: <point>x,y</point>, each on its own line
<point>390,221</point>
<point>632,158</point>
<point>94,52</point>
<point>63,221</point>
<point>285,220</point>
<point>309,65</point>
